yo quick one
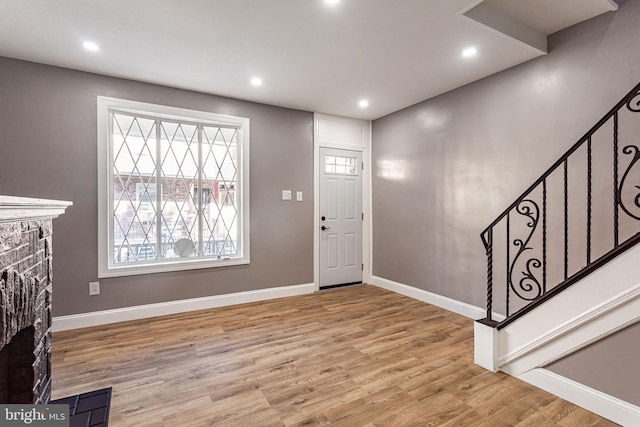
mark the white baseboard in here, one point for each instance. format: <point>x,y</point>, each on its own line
<point>96,318</point>
<point>462,308</point>
<point>592,400</point>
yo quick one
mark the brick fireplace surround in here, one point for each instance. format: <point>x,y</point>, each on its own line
<point>25,298</point>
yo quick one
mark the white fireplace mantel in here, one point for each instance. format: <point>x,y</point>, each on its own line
<point>24,208</point>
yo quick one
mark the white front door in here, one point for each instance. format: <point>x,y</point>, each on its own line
<point>340,217</point>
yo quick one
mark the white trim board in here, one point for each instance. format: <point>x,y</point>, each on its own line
<point>595,401</point>
<point>576,333</point>
<point>24,208</point>
<point>459,307</point>
<point>105,317</point>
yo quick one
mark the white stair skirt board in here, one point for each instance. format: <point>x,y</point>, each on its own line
<point>459,307</point>
<point>96,318</point>
<point>606,318</point>
<point>598,305</point>
<point>609,407</point>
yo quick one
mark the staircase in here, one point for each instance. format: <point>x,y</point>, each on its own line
<point>562,260</point>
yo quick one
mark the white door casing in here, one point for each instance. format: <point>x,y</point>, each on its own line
<point>340,216</point>
<point>347,134</point>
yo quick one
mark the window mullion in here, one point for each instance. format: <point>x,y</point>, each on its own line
<point>111,206</point>
<point>200,210</point>
<point>158,190</point>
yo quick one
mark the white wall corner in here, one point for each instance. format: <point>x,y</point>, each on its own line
<point>486,345</point>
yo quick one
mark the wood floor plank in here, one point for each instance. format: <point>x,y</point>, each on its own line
<point>357,356</point>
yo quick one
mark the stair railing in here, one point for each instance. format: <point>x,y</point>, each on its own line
<point>580,214</point>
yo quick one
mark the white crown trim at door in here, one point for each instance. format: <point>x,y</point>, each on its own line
<point>105,317</point>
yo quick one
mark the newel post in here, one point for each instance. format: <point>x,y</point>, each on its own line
<point>486,344</point>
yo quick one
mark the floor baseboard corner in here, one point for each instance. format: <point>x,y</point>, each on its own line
<point>612,408</point>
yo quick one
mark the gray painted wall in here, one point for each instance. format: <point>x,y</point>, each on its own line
<point>48,150</point>
<point>446,167</point>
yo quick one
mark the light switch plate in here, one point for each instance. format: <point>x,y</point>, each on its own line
<point>94,288</point>
<point>299,196</point>
<point>286,194</point>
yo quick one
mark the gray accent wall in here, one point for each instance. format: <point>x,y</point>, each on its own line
<point>48,149</point>
<point>445,168</point>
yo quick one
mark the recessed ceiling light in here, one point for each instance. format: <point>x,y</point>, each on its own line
<point>90,46</point>
<point>469,52</point>
<point>256,81</point>
<point>363,103</point>
<point>332,1</point>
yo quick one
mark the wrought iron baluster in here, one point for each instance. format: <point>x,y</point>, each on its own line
<point>615,179</point>
<point>629,149</point>
<point>544,236</point>
<point>566,219</point>
<point>508,262</point>
<point>528,282</point>
<point>589,201</point>
<point>633,105</point>
<point>489,244</point>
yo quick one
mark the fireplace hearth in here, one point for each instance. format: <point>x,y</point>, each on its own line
<point>25,298</point>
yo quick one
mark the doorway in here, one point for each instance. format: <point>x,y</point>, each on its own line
<point>340,230</point>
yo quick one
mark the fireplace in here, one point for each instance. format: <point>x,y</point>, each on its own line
<point>25,298</point>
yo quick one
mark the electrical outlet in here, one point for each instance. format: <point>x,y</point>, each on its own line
<point>299,196</point>
<point>94,288</point>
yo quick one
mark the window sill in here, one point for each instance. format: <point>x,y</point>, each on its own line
<point>164,267</point>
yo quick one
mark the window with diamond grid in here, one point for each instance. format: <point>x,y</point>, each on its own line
<point>176,188</point>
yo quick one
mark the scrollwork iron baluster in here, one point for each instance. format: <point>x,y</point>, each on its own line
<point>528,282</point>
<point>629,149</point>
<point>634,103</point>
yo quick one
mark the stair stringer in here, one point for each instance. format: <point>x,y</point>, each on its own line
<point>593,308</point>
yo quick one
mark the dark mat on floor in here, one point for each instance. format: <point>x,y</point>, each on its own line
<point>88,409</point>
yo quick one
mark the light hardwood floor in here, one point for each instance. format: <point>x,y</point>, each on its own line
<point>358,356</point>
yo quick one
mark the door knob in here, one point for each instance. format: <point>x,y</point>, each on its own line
<point>323,228</point>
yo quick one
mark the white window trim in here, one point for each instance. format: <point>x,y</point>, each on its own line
<point>106,267</point>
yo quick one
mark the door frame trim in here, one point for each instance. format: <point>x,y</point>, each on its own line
<point>344,134</point>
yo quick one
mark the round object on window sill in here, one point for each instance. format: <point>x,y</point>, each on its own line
<point>184,247</point>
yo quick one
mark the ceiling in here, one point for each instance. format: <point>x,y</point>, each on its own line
<point>309,54</point>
